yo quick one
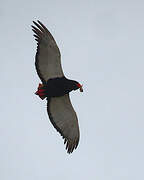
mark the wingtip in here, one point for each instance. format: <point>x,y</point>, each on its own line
<point>34,22</point>
<point>32,26</point>
<point>71,145</point>
<point>39,21</point>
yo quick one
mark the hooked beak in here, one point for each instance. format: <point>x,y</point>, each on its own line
<point>80,87</point>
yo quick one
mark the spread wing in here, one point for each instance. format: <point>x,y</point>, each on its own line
<point>47,61</point>
<point>64,119</point>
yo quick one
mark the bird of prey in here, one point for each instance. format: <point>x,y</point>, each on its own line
<point>55,87</point>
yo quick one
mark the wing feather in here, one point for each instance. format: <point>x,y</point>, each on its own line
<point>64,119</point>
<point>48,58</point>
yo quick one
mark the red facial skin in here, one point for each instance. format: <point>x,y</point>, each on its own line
<point>80,87</point>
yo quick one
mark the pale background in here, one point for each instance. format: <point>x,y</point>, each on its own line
<point>102,47</point>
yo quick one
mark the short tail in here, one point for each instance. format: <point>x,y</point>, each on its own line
<point>41,92</point>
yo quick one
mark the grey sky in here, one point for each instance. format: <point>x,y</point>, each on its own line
<point>101,43</point>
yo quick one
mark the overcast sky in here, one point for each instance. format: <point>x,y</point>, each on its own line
<point>102,47</point>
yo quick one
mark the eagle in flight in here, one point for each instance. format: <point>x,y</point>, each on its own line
<point>55,87</point>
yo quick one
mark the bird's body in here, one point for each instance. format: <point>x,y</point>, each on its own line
<point>56,87</point>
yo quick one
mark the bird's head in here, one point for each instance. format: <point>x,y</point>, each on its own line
<point>76,85</point>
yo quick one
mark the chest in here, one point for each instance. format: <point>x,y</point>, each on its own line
<point>57,87</point>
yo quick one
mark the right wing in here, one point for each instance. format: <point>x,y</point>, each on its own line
<point>48,61</point>
<point>64,119</point>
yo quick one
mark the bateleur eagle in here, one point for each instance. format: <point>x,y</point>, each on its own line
<point>55,87</point>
